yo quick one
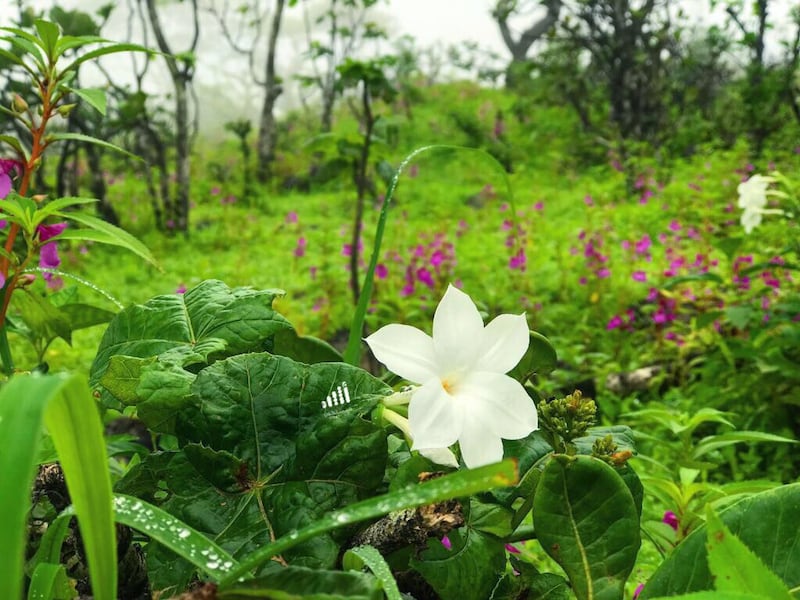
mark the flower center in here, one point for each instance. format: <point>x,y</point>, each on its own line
<point>449,384</point>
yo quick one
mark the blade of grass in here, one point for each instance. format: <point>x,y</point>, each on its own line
<point>74,424</point>
<point>352,354</point>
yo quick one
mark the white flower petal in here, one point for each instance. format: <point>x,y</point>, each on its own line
<point>457,330</point>
<point>499,403</point>
<point>504,342</point>
<point>750,219</point>
<point>433,417</point>
<point>478,445</point>
<point>440,456</point>
<point>406,351</point>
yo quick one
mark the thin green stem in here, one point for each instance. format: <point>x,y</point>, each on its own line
<point>352,354</point>
<point>5,352</point>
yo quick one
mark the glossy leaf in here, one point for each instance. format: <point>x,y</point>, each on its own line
<point>586,520</point>
<point>761,522</point>
<point>469,570</point>
<point>49,581</point>
<point>252,428</point>
<point>454,485</point>
<point>539,359</point>
<point>184,329</point>
<point>179,537</point>
<point>299,582</point>
<point>357,558</point>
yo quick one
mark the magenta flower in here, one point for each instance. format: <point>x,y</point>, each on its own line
<point>512,549</point>
<point>48,253</point>
<point>181,289</point>
<point>447,543</point>
<point>300,250</point>
<point>518,261</point>
<point>588,200</point>
<point>638,591</point>
<point>424,276</point>
<point>381,271</point>
<point>615,323</point>
<point>291,217</point>
<point>639,276</point>
<point>7,167</point>
<point>671,519</point>
<point>538,206</point>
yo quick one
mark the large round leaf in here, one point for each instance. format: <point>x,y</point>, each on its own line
<point>586,519</point>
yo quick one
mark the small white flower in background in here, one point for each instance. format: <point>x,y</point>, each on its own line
<point>753,192</point>
<point>753,200</point>
<point>464,394</point>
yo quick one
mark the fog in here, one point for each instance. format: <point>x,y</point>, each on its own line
<point>225,87</point>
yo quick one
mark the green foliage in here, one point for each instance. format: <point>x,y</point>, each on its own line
<point>65,405</point>
<point>585,518</point>
<point>757,522</point>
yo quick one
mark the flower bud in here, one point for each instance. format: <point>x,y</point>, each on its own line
<point>18,104</point>
<point>65,109</point>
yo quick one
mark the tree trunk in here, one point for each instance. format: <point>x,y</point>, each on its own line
<point>267,132</point>
<point>181,79</point>
<point>519,47</point>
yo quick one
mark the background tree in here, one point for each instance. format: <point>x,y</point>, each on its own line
<point>770,87</point>
<point>181,70</point>
<point>520,46</point>
<point>347,29</point>
<point>254,14</point>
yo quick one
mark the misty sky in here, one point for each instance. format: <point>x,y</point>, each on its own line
<point>222,78</point>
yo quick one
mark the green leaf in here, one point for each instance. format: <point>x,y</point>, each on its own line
<point>716,595</point>
<point>45,321</point>
<point>54,206</point>
<point>357,558</point>
<point>306,348</point>
<point>22,403</point>
<point>311,584</point>
<point>79,137</point>
<point>109,234</point>
<point>49,34</point>
<point>16,145</point>
<point>111,49</point>
<point>722,440</point>
<point>210,320</point>
<point>95,97</point>
<point>185,541</point>
<point>29,44</point>
<point>66,406</point>
<point>734,566</point>
<point>77,432</point>
<point>468,571</point>
<point>252,429</point>
<point>539,359</point>
<point>760,521</point>
<point>454,485</point>
<point>50,581</point>
<point>586,520</point>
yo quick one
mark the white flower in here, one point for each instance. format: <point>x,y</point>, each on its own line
<point>750,219</point>
<point>464,394</point>
<point>753,192</point>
